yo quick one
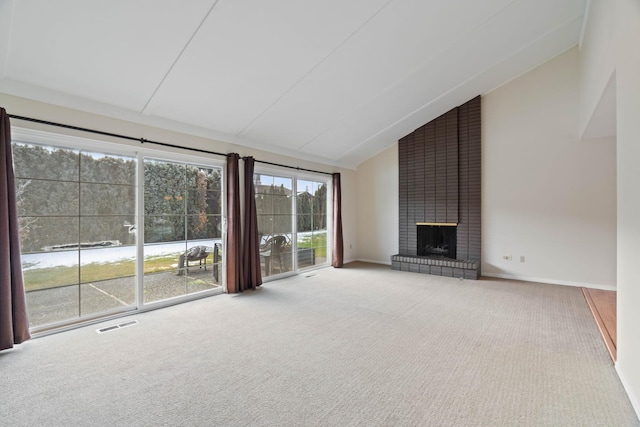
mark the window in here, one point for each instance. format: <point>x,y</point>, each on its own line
<point>292,222</point>
<point>105,231</point>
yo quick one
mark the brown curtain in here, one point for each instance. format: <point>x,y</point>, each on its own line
<point>251,275</point>
<point>338,246</point>
<point>234,233</point>
<point>14,325</point>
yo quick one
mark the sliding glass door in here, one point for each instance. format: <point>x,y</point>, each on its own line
<point>107,231</point>
<point>292,222</point>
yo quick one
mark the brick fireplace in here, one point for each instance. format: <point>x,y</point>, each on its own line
<point>440,184</point>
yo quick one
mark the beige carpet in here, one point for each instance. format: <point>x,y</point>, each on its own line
<point>363,345</point>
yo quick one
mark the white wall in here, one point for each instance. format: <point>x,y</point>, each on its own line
<point>23,107</point>
<point>628,134</point>
<point>611,40</point>
<point>349,184</point>
<point>546,195</point>
<point>378,207</point>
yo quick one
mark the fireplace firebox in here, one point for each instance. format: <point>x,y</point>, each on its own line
<point>437,240</point>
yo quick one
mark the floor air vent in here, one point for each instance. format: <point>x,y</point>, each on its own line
<point>115,327</point>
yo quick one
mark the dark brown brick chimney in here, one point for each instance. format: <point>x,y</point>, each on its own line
<point>440,182</point>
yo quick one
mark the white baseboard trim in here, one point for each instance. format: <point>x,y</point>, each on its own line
<point>514,277</point>
<point>373,261</point>
<point>635,402</point>
<point>347,261</point>
<point>550,281</point>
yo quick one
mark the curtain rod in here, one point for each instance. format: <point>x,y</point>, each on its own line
<point>148,141</point>
<point>115,135</point>
<point>290,167</point>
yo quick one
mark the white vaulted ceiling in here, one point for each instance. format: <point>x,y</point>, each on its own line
<point>335,81</point>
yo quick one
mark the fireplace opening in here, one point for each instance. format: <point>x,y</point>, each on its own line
<point>437,240</point>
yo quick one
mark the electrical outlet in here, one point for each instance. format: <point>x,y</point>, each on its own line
<point>506,257</point>
<point>521,258</point>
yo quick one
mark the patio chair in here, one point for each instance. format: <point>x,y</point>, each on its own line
<point>195,253</point>
<point>273,250</point>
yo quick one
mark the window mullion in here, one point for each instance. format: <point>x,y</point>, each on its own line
<point>140,231</point>
<point>294,220</point>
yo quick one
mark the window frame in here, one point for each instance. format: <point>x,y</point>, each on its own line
<point>108,146</point>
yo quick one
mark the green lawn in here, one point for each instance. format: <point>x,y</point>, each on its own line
<point>317,241</point>
<point>50,277</point>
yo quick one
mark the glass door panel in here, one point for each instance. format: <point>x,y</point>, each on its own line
<point>311,223</point>
<point>72,205</point>
<point>274,206</point>
<point>183,241</point>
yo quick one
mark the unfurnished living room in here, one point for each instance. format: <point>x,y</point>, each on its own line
<point>380,213</point>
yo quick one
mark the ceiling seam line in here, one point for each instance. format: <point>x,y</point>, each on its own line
<point>335,49</point>
<point>184,48</point>
<point>585,22</point>
<point>414,70</point>
<point>439,97</point>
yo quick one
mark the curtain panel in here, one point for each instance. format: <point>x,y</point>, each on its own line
<point>251,274</point>
<point>337,259</point>
<point>14,324</point>
<point>234,231</point>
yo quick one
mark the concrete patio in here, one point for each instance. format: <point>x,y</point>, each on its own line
<point>74,301</point>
